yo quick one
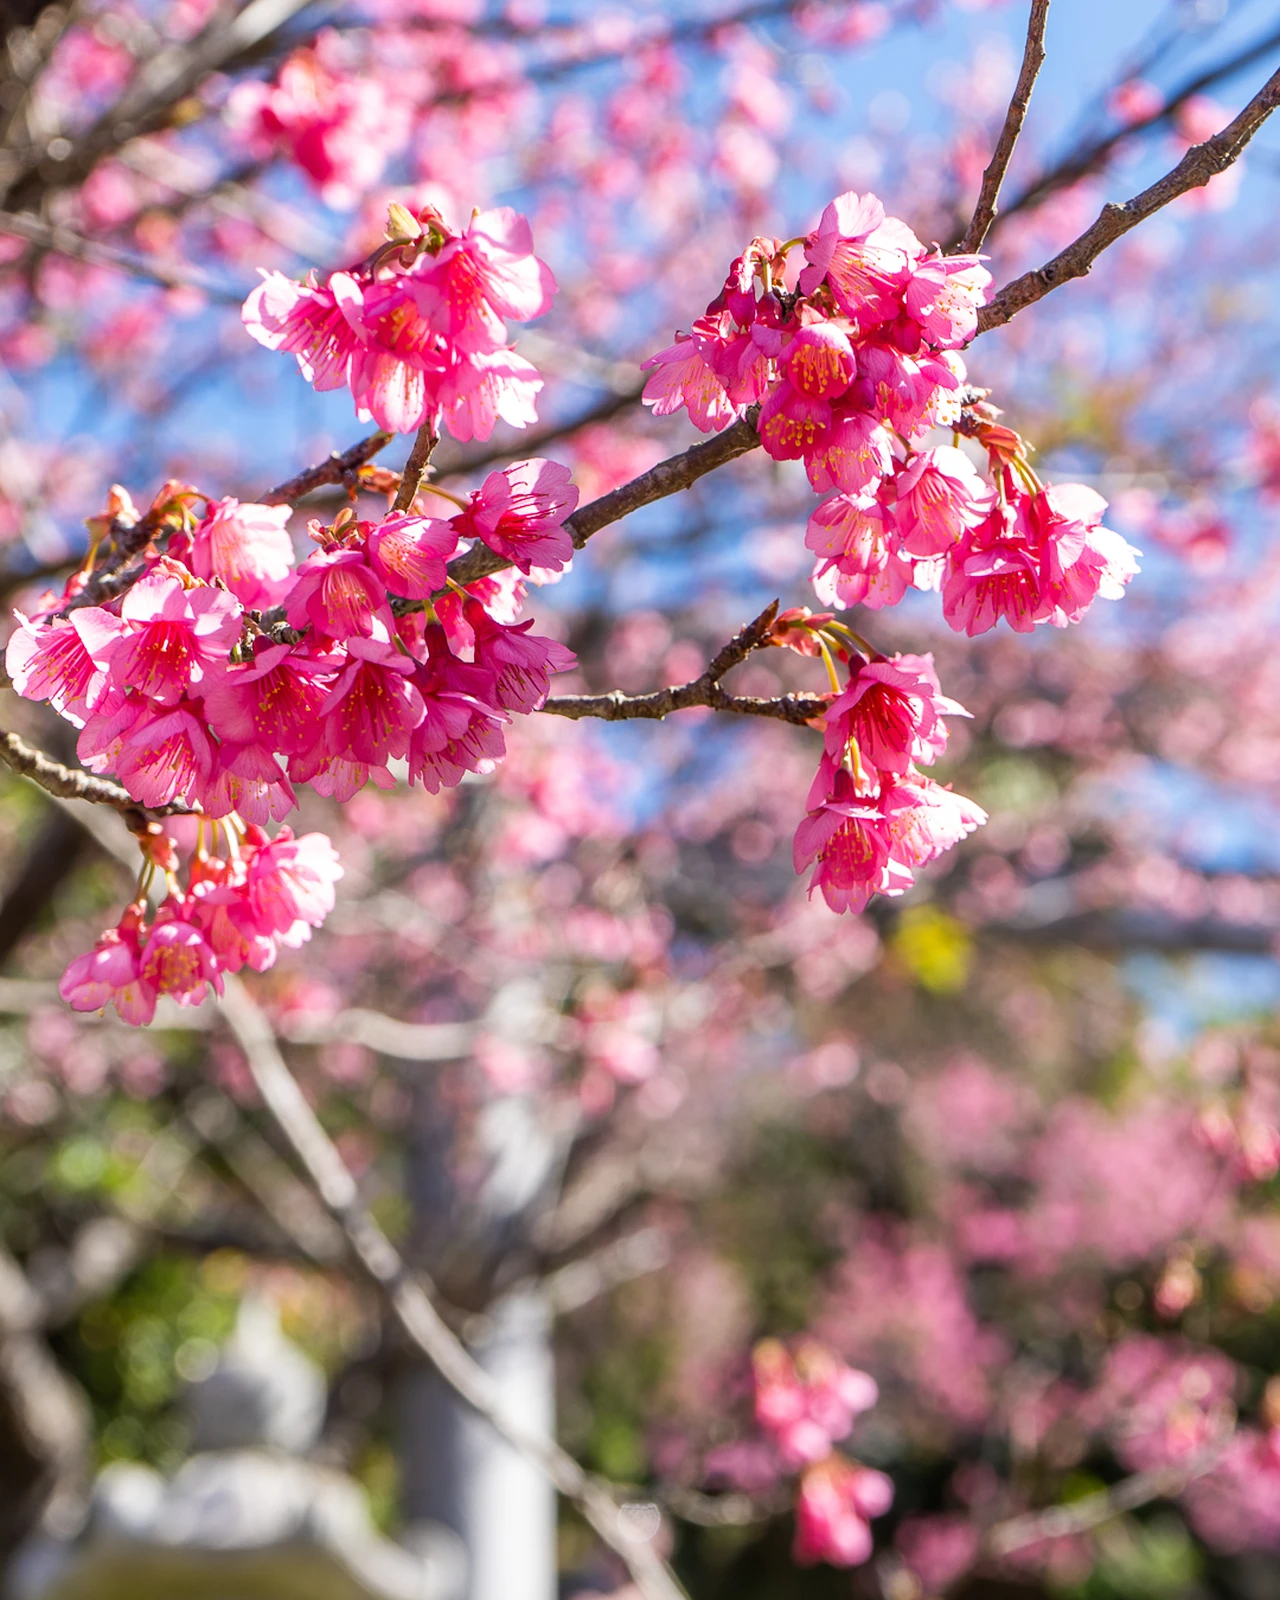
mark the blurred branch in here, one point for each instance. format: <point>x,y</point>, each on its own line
<point>65,242</point>
<point>409,1298</point>
<point>1032,60</point>
<point>1201,162</point>
<point>1092,1510</point>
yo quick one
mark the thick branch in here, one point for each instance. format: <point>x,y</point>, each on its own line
<point>1201,162</point>
<point>411,1302</point>
<point>1032,60</point>
<point>70,783</point>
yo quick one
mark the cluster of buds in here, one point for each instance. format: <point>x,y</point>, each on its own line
<point>806,1401</point>
<point>873,816</point>
<point>417,331</point>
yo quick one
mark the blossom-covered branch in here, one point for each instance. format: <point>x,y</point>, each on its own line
<point>69,783</point>
<point>1201,162</point>
<point>1032,60</point>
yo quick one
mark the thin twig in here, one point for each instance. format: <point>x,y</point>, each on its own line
<point>410,1299</point>
<point>415,466</point>
<point>1092,158</point>
<point>1032,60</point>
<point>334,469</point>
<point>1201,162</point>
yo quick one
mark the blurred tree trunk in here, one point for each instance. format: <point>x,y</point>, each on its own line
<point>455,1469</point>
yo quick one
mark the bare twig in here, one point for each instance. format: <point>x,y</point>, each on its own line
<point>1032,60</point>
<point>703,690</point>
<point>1201,162</point>
<point>1092,158</point>
<point>334,469</point>
<point>415,466</point>
<point>1092,1510</point>
<point>408,1296</point>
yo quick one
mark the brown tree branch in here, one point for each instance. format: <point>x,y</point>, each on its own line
<point>410,1298</point>
<point>1093,157</point>
<point>415,466</point>
<point>1032,60</point>
<point>704,690</point>
<point>65,242</point>
<point>1201,162</point>
<point>71,783</point>
<point>336,468</point>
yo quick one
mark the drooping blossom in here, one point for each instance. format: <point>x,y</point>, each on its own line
<point>807,1400</point>
<point>110,974</point>
<point>834,1508</point>
<point>170,635</point>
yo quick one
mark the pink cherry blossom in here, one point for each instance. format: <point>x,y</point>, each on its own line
<point>273,700</point>
<point>486,274</point>
<point>171,634</point>
<point>176,959</point>
<point>409,553</point>
<point>938,496</point>
<point>893,710</point>
<point>339,596</point>
<point>55,661</point>
<point>247,547</point>
<point>943,295</point>
<point>373,706</point>
<point>682,376</point>
<point>847,837</point>
<point>521,664</point>
<point>111,975</point>
<point>863,257</point>
<point>520,512</point>
<point>836,1502</point>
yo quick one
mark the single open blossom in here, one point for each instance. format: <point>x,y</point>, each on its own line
<point>944,294</point>
<point>273,700</point>
<point>845,838</point>
<point>305,321</point>
<point>338,595</point>
<point>373,705</point>
<point>857,543</point>
<point>248,548</point>
<point>892,710</point>
<point>862,255</point>
<point>410,554</point>
<point>483,277</point>
<point>820,362</point>
<point>111,974</point>
<point>938,495</point>
<point>520,512</point>
<point>166,756</point>
<point>55,661</point>
<point>461,729</point>
<point>834,1508</point>
<point>288,887</point>
<point>1080,559</point>
<point>995,572</point>
<point>176,959</point>
<point>925,818</point>
<point>171,633</point>
<point>683,376</point>
<point>853,454</point>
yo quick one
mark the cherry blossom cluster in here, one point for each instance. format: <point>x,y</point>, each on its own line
<point>417,331</point>
<point>190,694</point>
<point>236,911</point>
<point>873,816</point>
<point>853,371</point>
<point>806,1400</point>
